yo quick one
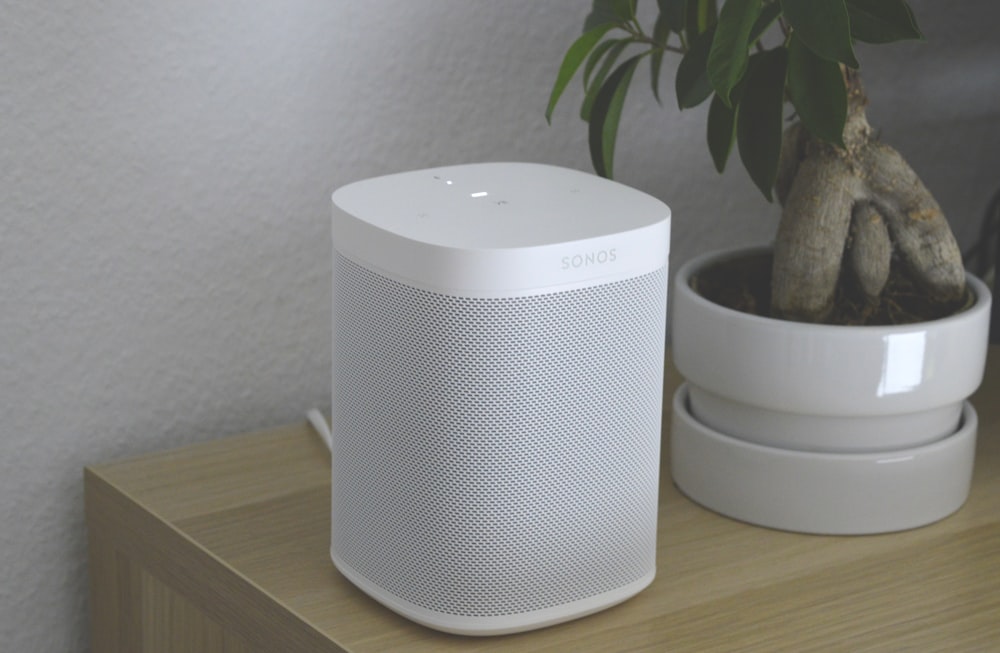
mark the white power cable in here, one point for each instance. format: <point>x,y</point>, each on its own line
<point>322,428</point>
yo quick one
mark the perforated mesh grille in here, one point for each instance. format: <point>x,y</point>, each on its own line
<point>496,456</point>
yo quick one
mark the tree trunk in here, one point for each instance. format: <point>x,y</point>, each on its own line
<point>859,205</point>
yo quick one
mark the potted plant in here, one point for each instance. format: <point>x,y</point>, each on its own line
<point>827,375</point>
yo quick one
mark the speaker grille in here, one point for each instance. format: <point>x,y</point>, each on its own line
<point>496,456</point>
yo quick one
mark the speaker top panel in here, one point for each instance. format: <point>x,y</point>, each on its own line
<point>499,205</point>
<point>500,227</point>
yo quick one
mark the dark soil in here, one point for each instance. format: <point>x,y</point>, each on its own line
<point>744,284</point>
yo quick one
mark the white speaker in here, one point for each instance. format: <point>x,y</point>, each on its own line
<point>498,341</point>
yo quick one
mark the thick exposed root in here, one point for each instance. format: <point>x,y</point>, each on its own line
<point>811,236</point>
<point>893,213</point>
<point>870,252</point>
<point>824,189</point>
<point>917,224</point>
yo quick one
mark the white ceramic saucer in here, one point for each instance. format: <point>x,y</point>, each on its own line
<point>818,492</point>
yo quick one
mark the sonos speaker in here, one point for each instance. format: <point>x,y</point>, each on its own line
<point>498,335</point>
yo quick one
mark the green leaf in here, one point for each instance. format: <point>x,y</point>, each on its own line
<point>661,31</point>
<point>623,8</point>
<point>655,65</point>
<point>767,16</point>
<point>727,58</point>
<point>759,117</point>
<point>700,16</point>
<point>595,57</point>
<point>571,62</point>
<point>816,88</point>
<point>605,115</point>
<point>721,131</point>
<point>882,21</point>
<point>674,11</point>
<point>824,26</point>
<point>692,83</point>
<point>598,80</point>
<point>609,11</point>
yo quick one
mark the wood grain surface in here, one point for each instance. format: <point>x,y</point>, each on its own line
<point>224,547</point>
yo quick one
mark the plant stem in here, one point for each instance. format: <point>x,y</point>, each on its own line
<point>639,36</point>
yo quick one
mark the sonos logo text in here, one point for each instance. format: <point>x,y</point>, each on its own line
<point>599,257</point>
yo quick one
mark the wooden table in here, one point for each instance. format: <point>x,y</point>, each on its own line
<point>225,547</point>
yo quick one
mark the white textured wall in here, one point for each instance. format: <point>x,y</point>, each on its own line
<point>164,178</point>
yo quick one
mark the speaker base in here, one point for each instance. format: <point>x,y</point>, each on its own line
<point>499,624</point>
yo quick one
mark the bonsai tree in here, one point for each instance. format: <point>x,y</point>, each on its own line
<point>856,219</point>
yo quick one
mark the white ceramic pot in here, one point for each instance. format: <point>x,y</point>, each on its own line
<point>819,428</point>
